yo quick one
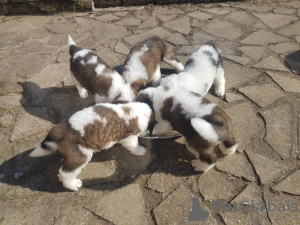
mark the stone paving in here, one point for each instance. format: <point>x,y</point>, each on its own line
<point>263,100</point>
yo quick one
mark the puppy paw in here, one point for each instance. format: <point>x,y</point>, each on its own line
<point>140,151</point>
<point>73,185</point>
<point>201,166</point>
<point>83,93</point>
<point>220,92</point>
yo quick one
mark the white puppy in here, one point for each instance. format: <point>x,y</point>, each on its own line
<point>202,69</point>
<point>93,129</point>
<point>203,124</point>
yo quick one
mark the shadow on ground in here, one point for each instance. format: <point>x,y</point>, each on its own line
<point>40,174</point>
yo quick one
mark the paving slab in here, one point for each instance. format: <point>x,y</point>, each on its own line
<point>170,210</point>
<point>218,10</point>
<point>201,38</point>
<point>238,59</point>
<point>263,38</point>
<point>99,170</point>
<point>237,218</point>
<point>105,31</point>
<point>260,25</point>
<point>151,22</point>
<point>266,168</point>
<point>279,129</point>
<point>128,22</point>
<point>165,10</point>
<point>290,185</point>
<point>271,63</point>
<point>62,28</point>
<point>33,121</point>
<point>237,165</point>
<point>244,130</point>
<point>110,56</point>
<point>284,10</point>
<point>161,32</point>
<point>255,52</point>
<point>122,48</point>
<point>251,194</point>
<point>263,95</point>
<point>293,29</point>
<point>223,29</point>
<point>200,15</point>
<point>197,23</point>
<point>242,18</point>
<point>275,21</point>
<point>284,80</point>
<point>280,210</point>
<point>178,39</point>
<point>10,101</point>
<point>233,73</point>
<point>6,120</point>
<point>213,185</point>
<point>166,18</point>
<point>107,18</point>
<point>127,201</point>
<point>181,25</point>
<point>283,48</point>
<point>230,97</point>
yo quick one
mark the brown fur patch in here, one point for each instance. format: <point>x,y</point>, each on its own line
<point>136,86</point>
<point>87,77</point>
<point>126,110</point>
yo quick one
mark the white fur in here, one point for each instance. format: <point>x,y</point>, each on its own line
<point>177,65</point>
<point>205,130</point>
<point>83,93</point>
<point>39,152</point>
<point>92,60</point>
<point>69,178</point>
<point>71,41</point>
<point>228,151</point>
<point>134,68</point>
<point>201,166</point>
<point>84,117</point>
<point>219,82</point>
<point>156,77</point>
<point>99,69</point>
<point>132,144</point>
<point>82,53</point>
<point>199,75</point>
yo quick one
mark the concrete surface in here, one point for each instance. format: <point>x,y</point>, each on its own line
<point>263,96</point>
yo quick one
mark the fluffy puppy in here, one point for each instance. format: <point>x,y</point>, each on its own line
<point>203,124</point>
<point>202,69</point>
<point>93,129</point>
<point>91,74</point>
<point>142,64</point>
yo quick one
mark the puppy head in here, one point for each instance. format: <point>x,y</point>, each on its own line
<point>145,97</point>
<point>138,85</point>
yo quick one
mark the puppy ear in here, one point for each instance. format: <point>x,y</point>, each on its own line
<point>138,85</point>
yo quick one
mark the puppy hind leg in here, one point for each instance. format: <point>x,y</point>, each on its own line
<point>83,93</point>
<point>219,82</point>
<point>170,58</point>
<point>228,148</point>
<point>132,144</point>
<point>156,77</point>
<point>77,158</point>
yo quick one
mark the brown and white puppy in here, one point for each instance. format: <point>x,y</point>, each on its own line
<point>93,129</point>
<point>203,124</point>
<point>203,68</point>
<point>91,74</point>
<point>143,63</point>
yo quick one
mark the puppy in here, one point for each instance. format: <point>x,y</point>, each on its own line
<point>203,124</point>
<point>93,129</point>
<point>91,74</point>
<point>202,69</point>
<point>142,64</point>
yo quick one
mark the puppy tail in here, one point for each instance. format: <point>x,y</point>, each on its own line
<point>72,46</point>
<point>49,144</point>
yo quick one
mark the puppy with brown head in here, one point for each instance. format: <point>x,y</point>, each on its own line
<point>203,124</point>
<point>143,63</point>
<point>92,75</point>
<point>203,68</point>
<point>93,129</point>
